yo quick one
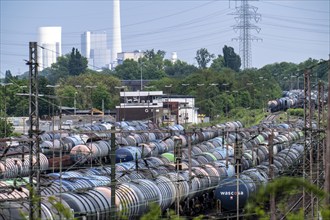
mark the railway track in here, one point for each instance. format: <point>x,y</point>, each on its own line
<point>271,117</point>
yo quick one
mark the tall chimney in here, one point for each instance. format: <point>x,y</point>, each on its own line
<point>116,33</point>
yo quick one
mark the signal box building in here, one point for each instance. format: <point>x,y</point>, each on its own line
<point>140,105</point>
<point>156,107</point>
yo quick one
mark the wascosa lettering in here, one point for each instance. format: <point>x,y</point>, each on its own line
<point>232,193</point>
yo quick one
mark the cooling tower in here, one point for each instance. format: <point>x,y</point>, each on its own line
<point>49,46</point>
<point>116,33</point>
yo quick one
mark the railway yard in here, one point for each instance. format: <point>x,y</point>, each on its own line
<point>124,169</point>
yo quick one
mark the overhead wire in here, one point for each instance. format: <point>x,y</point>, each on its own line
<point>292,7</point>
<point>175,14</point>
<point>139,38</point>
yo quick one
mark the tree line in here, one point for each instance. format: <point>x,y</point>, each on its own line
<point>217,82</point>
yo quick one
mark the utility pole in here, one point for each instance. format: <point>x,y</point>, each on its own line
<point>327,152</point>
<point>141,76</point>
<point>178,168</point>
<point>113,174</point>
<point>91,99</point>
<point>5,104</point>
<point>306,133</point>
<point>168,104</point>
<point>189,162</point>
<point>271,176</point>
<point>34,132</point>
<point>238,156</point>
<point>185,103</point>
<point>320,140</point>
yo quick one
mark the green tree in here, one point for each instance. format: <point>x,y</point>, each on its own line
<point>129,70</point>
<point>156,58</point>
<point>78,86</point>
<point>218,63</point>
<point>17,105</point>
<point>77,64</point>
<point>8,77</point>
<point>44,100</point>
<point>102,95</point>
<point>72,64</point>
<point>231,59</point>
<point>282,73</point>
<point>5,128</point>
<point>179,69</point>
<point>203,57</point>
<point>152,64</point>
<point>282,189</point>
<point>155,213</point>
<point>58,70</point>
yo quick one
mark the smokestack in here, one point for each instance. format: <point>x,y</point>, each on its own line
<point>116,34</point>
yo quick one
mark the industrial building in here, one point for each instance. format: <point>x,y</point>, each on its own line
<point>135,55</point>
<point>94,47</point>
<point>50,46</point>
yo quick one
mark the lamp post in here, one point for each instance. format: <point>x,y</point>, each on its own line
<point>141,65</point>
<point>262,92</point>
<point>91,94</point>
<point>23,110</point>
<point>121,88</point>
<point>5,105</point>
<point>149,87</point>
<point>250,84</point>
<point>185,104</point>
<point>199,86</point>
<point>75,99</point>
<point>210,112</point>
<point>235,96</point>
<point>285,86</point>
<point>291,78</point>
<point>226,107</point>
<point>75,103</point>
<point>262,99</point>
<point>53,122</point>
<point>168,103</point>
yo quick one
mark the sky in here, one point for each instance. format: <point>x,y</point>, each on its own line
<point>290,31</point>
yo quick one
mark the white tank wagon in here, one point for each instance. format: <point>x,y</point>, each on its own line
<point>90,152</point>
<point>19,166</point>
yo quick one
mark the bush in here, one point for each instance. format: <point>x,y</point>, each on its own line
<point>296,112</point>
<point>6,128</point>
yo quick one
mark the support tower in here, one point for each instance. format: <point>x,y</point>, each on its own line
<point>244,16</point>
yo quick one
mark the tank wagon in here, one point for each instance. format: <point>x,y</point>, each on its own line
<point>151,178</point>
<point>292,99</point>
<point>252,179</point>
